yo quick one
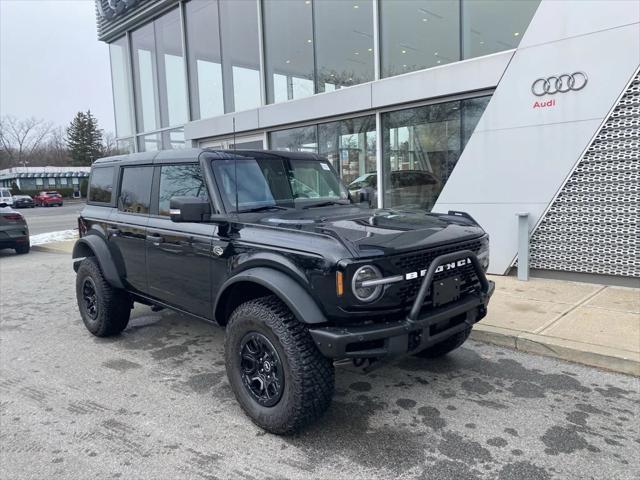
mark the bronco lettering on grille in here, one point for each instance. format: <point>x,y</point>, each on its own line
<point>441,268</point>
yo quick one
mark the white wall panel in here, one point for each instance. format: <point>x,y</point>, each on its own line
<point>222,125</point>
<point>470,75</point>
<point>560,19</point>
<point>459,77</point>
<point>519,165</point>
<point>608,58</point>
<point>518,157</point>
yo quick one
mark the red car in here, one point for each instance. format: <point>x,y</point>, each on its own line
<point>48,199</point>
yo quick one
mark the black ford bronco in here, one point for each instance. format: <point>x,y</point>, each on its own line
<point>271,246</point>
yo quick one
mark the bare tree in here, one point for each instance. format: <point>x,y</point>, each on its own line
<point>109,144</point>
<point>20,138</point>
<point>56,147</point>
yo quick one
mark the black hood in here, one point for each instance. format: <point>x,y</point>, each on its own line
<point>376,232</point>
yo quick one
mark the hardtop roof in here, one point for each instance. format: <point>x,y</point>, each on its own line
<point>192,154</point>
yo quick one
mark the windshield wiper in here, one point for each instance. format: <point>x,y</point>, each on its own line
<point>263,208</point>
<point>324,204</point>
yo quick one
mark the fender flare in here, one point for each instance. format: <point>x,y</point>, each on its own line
<point>294,296</point>
<point>101,251</point>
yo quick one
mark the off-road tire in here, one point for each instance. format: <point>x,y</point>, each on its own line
<point>308,376</point>
<point>22,249</point>
<point>113,305</point>
<point>446,346</point>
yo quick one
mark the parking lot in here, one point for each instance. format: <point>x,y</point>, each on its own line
<point>155,403</point>
<point>52,219</point>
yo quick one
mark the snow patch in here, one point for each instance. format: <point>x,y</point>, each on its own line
<point>51,237</point>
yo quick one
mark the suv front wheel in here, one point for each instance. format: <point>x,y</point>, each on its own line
<point>277,374</point>
<point>105,310</point>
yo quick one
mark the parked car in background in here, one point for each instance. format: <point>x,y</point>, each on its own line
<point>48,199</point>
<point>407,188</point>
<point>23,201</point>
<point>14,232</point>
<point>5,196</point>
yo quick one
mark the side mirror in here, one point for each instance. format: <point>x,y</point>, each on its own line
<point>189,209</point>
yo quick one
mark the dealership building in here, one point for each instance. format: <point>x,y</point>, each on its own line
<point>511,110</point>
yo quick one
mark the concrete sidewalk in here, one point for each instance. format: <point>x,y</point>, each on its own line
<point>592,324</point>
<point>580,322</point>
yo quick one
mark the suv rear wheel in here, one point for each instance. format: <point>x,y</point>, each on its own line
<point>105,310</point>
<point>446,346</point>
<point>277,374</point>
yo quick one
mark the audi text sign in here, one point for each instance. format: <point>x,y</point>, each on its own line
<point>557,84</point>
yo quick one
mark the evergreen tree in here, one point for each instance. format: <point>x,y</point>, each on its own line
<point>84,139</point>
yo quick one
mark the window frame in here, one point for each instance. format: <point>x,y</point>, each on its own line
<point>154,208</point>
<point>113,182</point>
<point>122,169</point>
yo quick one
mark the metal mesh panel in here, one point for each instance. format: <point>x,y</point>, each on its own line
<point>593,225</point>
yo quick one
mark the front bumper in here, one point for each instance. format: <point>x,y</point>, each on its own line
<point>416,332</point>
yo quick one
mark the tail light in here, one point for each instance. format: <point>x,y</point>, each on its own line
<point>15,217</point>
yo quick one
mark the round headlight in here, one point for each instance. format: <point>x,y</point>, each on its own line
<point>483,253</point>
<point>366,293</point>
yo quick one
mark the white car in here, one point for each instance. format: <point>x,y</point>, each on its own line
<point>5,196</point>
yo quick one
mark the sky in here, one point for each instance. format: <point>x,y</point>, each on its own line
<point>51,62</point>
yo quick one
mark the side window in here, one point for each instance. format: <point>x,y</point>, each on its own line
<point>101,185</point>
<point>180,180</point>
<point>135,190</point>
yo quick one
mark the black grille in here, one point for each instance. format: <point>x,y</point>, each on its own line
<point>417,261</point>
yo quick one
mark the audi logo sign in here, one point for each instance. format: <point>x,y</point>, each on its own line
<point>559,84</point>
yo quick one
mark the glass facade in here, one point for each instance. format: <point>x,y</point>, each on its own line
<point>149,143</point>
<point>144,78</point>
<point>120,77</point>
<point>240,54</point>
<point>418,34</point>
<point>350,144</point>
<point>421,147</point>
<point>126,145</point>
<point>171,70</point>
<point>288,34</point>
<point>202,59</point>
<point>300,139</point>
<point>205,58</point>
<point>344,43</point>
<point>490,26</point>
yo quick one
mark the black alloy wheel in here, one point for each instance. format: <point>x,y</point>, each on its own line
<point>90,297</point>
<point>105,310</point>
<point>262,371</point>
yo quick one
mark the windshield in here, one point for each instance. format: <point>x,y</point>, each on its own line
<point>278,182</point>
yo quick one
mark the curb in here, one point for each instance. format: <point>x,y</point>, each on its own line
<point>593,355</point>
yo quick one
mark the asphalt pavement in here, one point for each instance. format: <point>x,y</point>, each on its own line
<point>155,403</point>
<point>53,219</point>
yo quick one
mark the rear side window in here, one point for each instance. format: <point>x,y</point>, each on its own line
<point>101,185</point>
<point>135,190</point>
<point>180,180</point>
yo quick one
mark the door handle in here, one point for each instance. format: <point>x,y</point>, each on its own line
<point>155,239</point>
